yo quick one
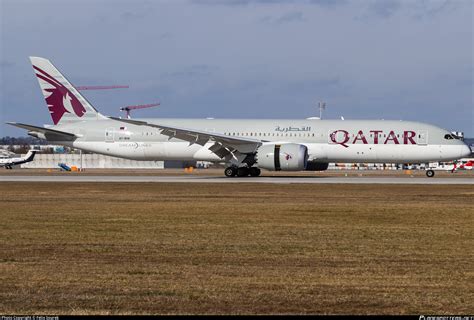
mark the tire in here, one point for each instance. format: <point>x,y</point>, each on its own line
<point>430,173</point>
<point>254,172</point>
<point>230,172</point>
<point>242,172</point>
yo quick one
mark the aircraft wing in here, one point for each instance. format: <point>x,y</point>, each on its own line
<point>41,132</point>
<point>223,145</point>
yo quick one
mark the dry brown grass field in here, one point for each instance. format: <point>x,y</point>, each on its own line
<point>85,248</point>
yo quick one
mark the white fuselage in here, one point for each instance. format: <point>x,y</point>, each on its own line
<point>326,140</point>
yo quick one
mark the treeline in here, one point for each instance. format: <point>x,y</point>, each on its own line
<point>9,141</point>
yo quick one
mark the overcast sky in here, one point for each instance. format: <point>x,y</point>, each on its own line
<point>390,59</point>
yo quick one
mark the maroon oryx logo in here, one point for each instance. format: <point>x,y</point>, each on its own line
<point>288,156</point>
<point>61,99</point>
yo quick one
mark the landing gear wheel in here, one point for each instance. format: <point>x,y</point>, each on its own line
<point>230,172</point>
<point>430,173</point>
<point>242,172</point>
<point>254,172</point>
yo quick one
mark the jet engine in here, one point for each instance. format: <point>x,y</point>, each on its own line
<point>285,157</point>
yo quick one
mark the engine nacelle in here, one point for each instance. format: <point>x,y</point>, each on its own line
<point>316,166</point>
<point>285,157</point>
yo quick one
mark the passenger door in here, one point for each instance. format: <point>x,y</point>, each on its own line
<point>422,137</point>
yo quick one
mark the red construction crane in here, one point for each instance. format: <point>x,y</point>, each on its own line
<point>127,109</point>
<point>81,88</point>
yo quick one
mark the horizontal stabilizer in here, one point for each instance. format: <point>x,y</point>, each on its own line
<point>44,133</point>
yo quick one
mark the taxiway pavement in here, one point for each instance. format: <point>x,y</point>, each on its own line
<point>217,179</point>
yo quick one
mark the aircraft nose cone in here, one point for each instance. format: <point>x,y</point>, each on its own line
<point>465,151</point>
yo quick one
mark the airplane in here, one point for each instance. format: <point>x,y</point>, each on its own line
<point>466,166</point>
<point>455,166</point>
<point>460,165</point>
<point>244,145</point>
<point>8,163</point>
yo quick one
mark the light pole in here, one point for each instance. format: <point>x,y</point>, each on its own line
<point>322,106</point>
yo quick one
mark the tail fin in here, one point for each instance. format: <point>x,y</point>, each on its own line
<point>64,102</point>
<point>30,155</point>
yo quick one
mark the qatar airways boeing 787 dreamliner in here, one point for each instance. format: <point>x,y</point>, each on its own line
<point>244,145</point>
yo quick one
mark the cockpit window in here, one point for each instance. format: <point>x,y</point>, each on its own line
<point>451,137</point>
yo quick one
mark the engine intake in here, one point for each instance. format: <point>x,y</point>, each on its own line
<point>285,157</point>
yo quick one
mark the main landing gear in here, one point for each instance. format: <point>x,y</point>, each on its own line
<point>242,172</point>
<point>230,171</point>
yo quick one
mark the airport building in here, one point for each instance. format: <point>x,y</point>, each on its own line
<point>89,161</point>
